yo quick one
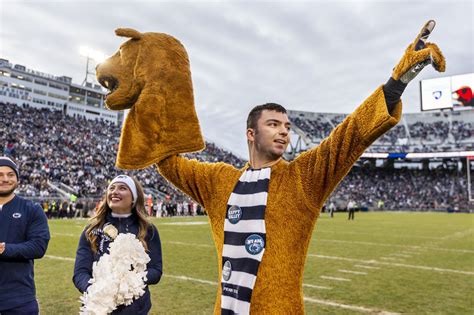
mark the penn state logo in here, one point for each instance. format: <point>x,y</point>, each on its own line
<point>437,94</point>
<point>227,270</point>
<point>234,214</point>
<point>254,244</point>
<point>16,215</point>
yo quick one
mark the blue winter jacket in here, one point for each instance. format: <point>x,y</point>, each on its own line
<point>85,258</point>
<point>24,230</point>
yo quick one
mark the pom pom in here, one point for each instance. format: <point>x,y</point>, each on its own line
<point>117,278</point>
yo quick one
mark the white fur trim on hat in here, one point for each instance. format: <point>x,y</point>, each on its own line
<point>127,180</point>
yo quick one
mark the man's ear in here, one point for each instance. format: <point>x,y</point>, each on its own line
<point>250,134</point>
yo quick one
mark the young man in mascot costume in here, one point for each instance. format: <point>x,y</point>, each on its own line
<point>262,216</point>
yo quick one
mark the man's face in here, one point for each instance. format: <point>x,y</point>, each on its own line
<point>8,181</point>
<point>271,137</point>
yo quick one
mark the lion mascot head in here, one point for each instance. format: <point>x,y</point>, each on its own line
<point>150,76</point>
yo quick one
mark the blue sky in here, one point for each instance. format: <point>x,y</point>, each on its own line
<point>306,55</point>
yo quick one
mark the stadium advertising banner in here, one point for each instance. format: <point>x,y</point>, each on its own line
<point>448,92</point>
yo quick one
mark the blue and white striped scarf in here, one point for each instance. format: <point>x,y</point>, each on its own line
<point>244,240</point>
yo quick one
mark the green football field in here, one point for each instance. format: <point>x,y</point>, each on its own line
<point>381,263</point>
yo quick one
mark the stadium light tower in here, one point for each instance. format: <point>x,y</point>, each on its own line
<point>91,55</point>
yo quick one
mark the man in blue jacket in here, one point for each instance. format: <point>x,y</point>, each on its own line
<point>24,236</point>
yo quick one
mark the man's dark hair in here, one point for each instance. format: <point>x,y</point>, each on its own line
<point>256,112</point>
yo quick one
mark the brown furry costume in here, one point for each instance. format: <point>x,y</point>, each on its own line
<point>150,75</point>
<point>296,194</point>
<point>297,189</point>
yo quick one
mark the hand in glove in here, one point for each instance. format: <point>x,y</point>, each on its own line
<point>418,55</point>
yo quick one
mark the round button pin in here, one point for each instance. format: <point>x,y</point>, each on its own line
<point>234,214</point>
<point>226,270</point>
<point>254,244</point>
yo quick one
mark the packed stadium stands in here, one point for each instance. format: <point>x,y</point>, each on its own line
<point>61,155</point>
<point>417,132</point>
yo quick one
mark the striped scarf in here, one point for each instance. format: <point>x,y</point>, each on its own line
<point>244,240</point>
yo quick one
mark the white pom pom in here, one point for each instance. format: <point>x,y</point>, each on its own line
<point>117,278</point>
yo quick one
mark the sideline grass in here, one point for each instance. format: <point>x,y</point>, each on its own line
<point>410,263</point>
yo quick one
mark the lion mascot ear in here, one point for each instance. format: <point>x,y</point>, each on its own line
<point>150,76</point>
<point>128,32</point>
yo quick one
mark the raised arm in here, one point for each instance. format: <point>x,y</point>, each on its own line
<point>323,167</point>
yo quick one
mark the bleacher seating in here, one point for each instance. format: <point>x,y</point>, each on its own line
<point>418,132</point>
<point>55,150</point>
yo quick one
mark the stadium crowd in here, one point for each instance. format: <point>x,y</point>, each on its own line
<point>78,155</point>
<point>75,153</point>
<point>398,189</point>
<point>418,136</point>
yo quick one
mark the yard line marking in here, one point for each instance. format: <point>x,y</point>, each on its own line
<point>350,307</point>
<point>458,234</point>
<point>401,255</point>
<point>186,223</point>
<point>367,267</point>
<point>353,272</point>
<point>306,299</point>
<point>373,261</point>
<point>190,279</point>
<point>393,259</point>
<point>187,244</point>
<point>59,258</point>
<point>380,234</point>
<point>316,286</point>
<point>334,278</point>
<point>413,247</point>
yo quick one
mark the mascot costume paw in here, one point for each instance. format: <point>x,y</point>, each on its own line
<point>261,225</point>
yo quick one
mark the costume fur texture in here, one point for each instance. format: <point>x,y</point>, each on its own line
<point>150,75</point>
<point>297,191</point>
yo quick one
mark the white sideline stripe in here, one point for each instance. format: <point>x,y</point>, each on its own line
<point>185,223</point>
<point>316,286</point>
<point>187,244</point>
<point>59,258</point>
<point>401,255</point>
<point>353,272</point>
<point>458,234</point>
<point>367,267</point>
<point>373,261</point>
<point>311,300</point>
<point>190,279</point>
<point>391,258</point>
<point>412,247</point>
<point>349,307</point>
<point>334,278</point>
<point>215,283</point>
<point>375,235</point>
